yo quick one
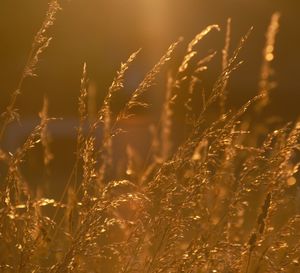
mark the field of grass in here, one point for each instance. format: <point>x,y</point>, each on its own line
<point>217,189</point>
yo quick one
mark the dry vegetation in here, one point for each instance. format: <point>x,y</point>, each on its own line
<point>223,200</point>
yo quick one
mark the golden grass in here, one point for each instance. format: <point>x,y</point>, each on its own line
<point>210,204</point>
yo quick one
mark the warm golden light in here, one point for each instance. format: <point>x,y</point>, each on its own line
<point>149,136</point>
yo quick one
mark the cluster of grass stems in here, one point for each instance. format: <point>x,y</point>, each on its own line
<point>223,199</point>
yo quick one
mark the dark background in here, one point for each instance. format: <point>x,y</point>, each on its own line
<point>104,33</point>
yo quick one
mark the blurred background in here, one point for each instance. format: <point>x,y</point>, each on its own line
<point>105,33</point>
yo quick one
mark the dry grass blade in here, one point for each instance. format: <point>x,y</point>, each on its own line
<point>220,84</point>
<point>200,36</point>
<point>166,120</point>
<point>148,81</point>
<point>116,86</point>
<point>82,109</point>
<point>40,43</point>
<point>225,56</point>
<point>265,83</point>
<point>48,156</point>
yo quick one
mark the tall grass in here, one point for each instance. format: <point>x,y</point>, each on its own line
<point>211,203</point>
